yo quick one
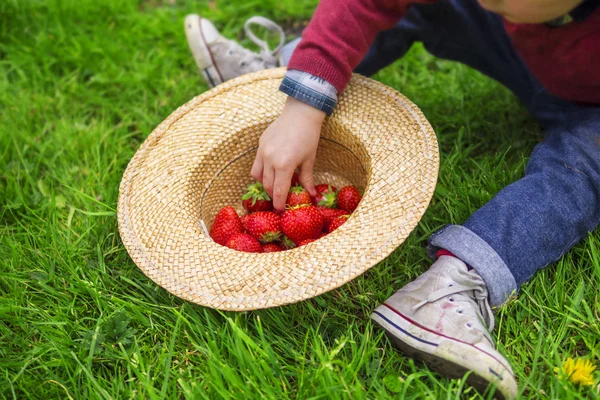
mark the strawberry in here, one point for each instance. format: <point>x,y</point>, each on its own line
<point>326,196</point>
<point>265,226</point>
<point>286,243</point>
<point>244,242</point>
<point>227,223</point>
<point>297,196</point>
<point>271,248</point>
<point>302,222</point>
<point>305,241</point>
<point>322,234</point>
<point>256,198</point>
<point>348,198</point>
<point>328,215</point>
<point>295,179</point>
<point>337,222</point>
<point>244,221</point>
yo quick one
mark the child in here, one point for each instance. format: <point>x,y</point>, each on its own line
<point>547,52</point>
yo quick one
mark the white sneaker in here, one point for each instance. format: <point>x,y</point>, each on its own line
<point>220,59</point>
<point>439,318</point>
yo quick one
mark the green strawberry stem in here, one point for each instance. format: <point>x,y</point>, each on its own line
<point>256,191</point>
<point>297,189</point>
<point>287,242</point>
<point>270,237</point>
<point>329,199</point>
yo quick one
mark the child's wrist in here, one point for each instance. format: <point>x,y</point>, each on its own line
<point>299,108</point>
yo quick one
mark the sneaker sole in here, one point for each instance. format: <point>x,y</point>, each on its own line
<point>445,355</point>
<point>199,48</point>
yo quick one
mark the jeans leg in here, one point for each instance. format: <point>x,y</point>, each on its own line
<point>534,221</point>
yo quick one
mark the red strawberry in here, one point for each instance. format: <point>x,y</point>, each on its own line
<point>295,179</point>
<point>302,222</point>
<point>326,196</point>
<point>348,198</point>
<point>244,242</point>
<point>337,222</point>
<point>297,196</point>
<point>244,221</point>
<point>271,248</point>
<point>328,215</point>
<point>226,224</point>
<point>305,241</point>
<point>264,226</point>
<point>256,198</point>
<point>286,243</point>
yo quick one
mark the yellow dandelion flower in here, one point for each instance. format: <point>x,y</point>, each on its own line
<point>580,371</point>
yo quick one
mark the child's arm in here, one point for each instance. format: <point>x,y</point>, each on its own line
<point>340,34</point>
<point>337,38</point>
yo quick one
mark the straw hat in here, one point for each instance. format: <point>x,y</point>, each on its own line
<point>198,160</point>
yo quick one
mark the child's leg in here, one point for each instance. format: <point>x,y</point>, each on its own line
<point>526,226</point>
<point>535,220</point>
<point>529,224</point>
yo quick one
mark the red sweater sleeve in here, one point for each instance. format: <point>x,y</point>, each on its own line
<point>340,34</point>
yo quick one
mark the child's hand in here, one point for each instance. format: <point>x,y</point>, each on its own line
<point>290,142</point>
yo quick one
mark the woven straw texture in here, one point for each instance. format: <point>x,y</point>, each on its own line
<point>198,160</point>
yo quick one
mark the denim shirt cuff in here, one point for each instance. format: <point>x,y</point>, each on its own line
<point>310,89</point>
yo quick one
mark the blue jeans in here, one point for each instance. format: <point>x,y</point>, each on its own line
<point>534,221</point>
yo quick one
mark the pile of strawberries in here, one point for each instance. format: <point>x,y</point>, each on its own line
<point>304,220</point>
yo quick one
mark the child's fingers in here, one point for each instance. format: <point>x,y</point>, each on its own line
<point>305,177</point>
<point>257,168</point>
<point>281,186</point>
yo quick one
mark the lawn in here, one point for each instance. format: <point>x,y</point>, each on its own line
<point>82,83</point>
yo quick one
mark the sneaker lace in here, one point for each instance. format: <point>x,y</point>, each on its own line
<point>471,285</point>
<point>267,57</point>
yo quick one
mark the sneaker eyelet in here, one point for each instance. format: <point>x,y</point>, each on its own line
<point>469,325</point>
<point>242,64</point>
<point>229,52</point>
<point>451,299</point>
<point>459,310</point>
<point>451,284</point>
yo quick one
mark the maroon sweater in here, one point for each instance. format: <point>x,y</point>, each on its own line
<point>566,61</point>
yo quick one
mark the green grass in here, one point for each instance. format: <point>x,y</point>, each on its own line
<point>82,83</point>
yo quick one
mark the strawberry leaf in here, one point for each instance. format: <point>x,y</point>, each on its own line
<point>270,237</point>
<point>287,242</point>
<point>256,191</point>
<point>329,199</point>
